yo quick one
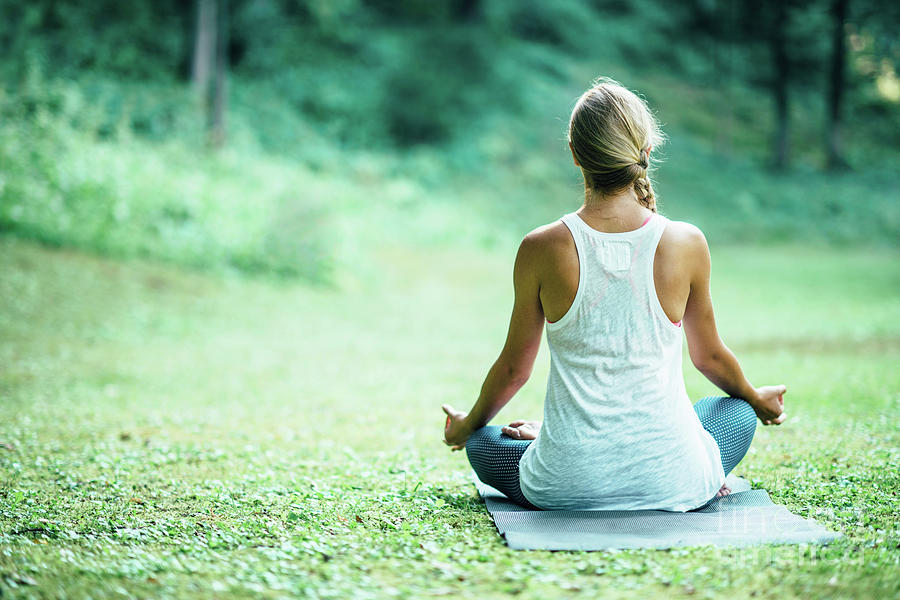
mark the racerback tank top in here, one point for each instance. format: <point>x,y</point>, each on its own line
<point>619,430</point>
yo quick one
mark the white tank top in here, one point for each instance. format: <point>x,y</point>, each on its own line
<point>619,430</point>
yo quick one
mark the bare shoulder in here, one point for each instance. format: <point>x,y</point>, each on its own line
<point>549,234</point>
<point>550,238</point>
<point>684,239</point>
<point>682,232</point>
<point>546,246</point>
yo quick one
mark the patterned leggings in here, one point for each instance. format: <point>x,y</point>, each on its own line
<point>495,456</point>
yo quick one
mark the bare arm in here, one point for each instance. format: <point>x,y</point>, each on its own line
<point>709,354</point>
<point>514,365</point>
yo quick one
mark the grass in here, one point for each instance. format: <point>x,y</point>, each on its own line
<point>173,434</point>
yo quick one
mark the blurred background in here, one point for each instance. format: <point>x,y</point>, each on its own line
<point>287,137</point>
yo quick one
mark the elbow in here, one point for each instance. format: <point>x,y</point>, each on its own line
<point>516,375</point>
<point>708,355</point>
<point>519,378</point>
<point>706,362</point>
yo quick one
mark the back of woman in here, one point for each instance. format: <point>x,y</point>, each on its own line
<point>614,282</point>
<point>618,429</point>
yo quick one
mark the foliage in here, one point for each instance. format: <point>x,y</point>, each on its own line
<point>349,113</point>
<point>118,194</point>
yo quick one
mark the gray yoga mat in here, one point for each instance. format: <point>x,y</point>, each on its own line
<point>743,518</point>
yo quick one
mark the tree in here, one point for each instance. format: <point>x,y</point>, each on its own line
<point>220,85</point>
<point>779,82</point>
<point>467,10</point>
<point>204,46</point>
<point>209,73</point>
<point>836,85</point>
<point>774,45</point>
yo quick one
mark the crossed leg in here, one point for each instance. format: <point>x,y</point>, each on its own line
<point>495,456</point>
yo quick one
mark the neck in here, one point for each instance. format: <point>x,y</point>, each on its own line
<point>611,205</point>
<point>613,213</point>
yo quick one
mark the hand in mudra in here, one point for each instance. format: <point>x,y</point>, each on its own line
<point>769,404</point>
<point>522,430</point>
<point>456,429</point>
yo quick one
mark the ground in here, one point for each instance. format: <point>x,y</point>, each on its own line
<point>172,434</point>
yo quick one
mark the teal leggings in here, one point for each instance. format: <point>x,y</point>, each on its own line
<point>495,456</point>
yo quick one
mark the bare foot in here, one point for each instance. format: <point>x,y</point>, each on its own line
<point>523,430</point>
<point>723,491</point>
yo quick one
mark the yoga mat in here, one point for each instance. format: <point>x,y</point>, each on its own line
<point>743,518</point>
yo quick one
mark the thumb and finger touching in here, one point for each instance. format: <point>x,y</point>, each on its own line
<point>511,431</point>
<point>524,431</point>
<point>453,421</point>
<point>773,408</point>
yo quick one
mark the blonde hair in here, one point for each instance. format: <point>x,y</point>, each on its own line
<point>611,132</point>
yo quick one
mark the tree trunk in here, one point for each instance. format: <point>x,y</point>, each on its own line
<point>723,69</point>
<point>467,10</point>
<point>204,47</point>
<point>835,159</point>
<point>209,73</point>
<point>780,86</point>
<point>220,87</point>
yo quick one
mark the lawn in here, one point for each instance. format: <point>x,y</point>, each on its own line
<point>173,434</point>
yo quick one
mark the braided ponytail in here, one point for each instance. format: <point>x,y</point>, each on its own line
<point>642,186</point>
<point>611,133</point>
<point>644,191</point>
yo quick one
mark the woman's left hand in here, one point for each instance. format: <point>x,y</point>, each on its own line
<point>457,429</point>
<point>523,430</point>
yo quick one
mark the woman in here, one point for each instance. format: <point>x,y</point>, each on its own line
<point>615,282</point>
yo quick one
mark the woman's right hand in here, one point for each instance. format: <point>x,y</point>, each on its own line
<point>769,404</point>
<point>456,429</point>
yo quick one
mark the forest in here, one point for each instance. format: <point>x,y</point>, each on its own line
<point>266,115</point>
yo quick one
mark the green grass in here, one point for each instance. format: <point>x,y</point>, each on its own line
<point>169,434</point>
